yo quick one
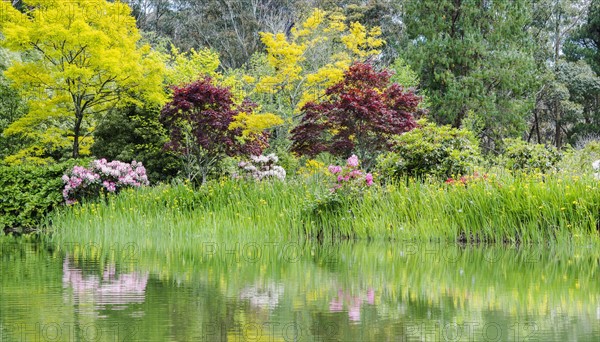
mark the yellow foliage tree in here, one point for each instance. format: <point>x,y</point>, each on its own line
<point>313,57</point>
<point>188,67</point>
<point>183,68</point>
<point>82,59</point>
<point>255,123</point>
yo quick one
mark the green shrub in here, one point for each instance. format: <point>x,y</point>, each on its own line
<point>579,160</point>
<point>134,133</point>
<point>522,156</point>
<point>28,193</point>
<point>441,151</point>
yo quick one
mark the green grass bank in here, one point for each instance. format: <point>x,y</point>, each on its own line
<point>506,208</point>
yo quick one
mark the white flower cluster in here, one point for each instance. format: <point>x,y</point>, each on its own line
<point>596,167</point>
<point>262,167</point>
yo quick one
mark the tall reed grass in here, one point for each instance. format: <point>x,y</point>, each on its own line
<point>505,208</point>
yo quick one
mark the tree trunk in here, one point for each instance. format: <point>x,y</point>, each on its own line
<point>459,118</point>
<point>76,134</point>
<point>536,126</point>
<point>557,134</point>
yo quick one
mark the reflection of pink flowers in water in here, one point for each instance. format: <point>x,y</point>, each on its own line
<point>354,312</point>
<point>371,296</point>
<point>110,289</point>
<point>353,303</point>
<point>337,304</point>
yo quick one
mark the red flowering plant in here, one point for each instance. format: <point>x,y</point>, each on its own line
<point>465,180</point>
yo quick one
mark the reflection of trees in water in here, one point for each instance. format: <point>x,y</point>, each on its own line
<point>109,289</point>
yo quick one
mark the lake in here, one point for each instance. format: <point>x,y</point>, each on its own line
<point>289,291</point>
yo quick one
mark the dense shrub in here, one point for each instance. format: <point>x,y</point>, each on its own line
<point>28,193</point>
<point>525,157</point>
<point>441,151</point>
<point>204,124</point>
<point>135,133</point>
<point>580,158</point>
<point>360,115</point>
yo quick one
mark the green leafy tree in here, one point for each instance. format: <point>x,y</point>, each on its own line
<point>406,77</point>
<point>83,60</point>
<point>473,56</point>
<point>584,43</point>
<point>567,108</point>
<point>12,107</point>
<point>559,101</point>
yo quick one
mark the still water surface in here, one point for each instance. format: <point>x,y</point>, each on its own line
<point>277,291</point>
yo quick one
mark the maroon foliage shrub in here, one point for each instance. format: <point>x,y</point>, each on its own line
<point>198,119</point>
<point>209,110</point>
<point>360,115</point>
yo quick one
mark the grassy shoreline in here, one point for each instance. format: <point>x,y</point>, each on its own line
<point>511,209</point>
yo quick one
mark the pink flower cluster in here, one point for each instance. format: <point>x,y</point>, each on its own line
<point>350,175</point>
<point>102,176</point>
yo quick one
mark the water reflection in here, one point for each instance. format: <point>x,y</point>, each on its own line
<point>344,292</point>
<point>110,288</point>
<point>262,297</point>
<point>351,303</point>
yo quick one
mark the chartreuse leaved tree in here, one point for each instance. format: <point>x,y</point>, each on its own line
<point>186,67</point>
<point>82,58</point>
<point>311,58</point>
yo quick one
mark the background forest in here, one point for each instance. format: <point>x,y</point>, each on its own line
<point>524,68</point>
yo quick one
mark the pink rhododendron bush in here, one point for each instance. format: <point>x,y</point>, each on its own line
<point>102,177</point>
<point>348,184</point>
<point>350,178</point>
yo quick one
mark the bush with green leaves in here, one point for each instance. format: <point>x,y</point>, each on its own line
<point>134,133</point>
<point>525,157</point>
<point>440,151</point>
<point>28,193</point>
<point>579,159</point>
